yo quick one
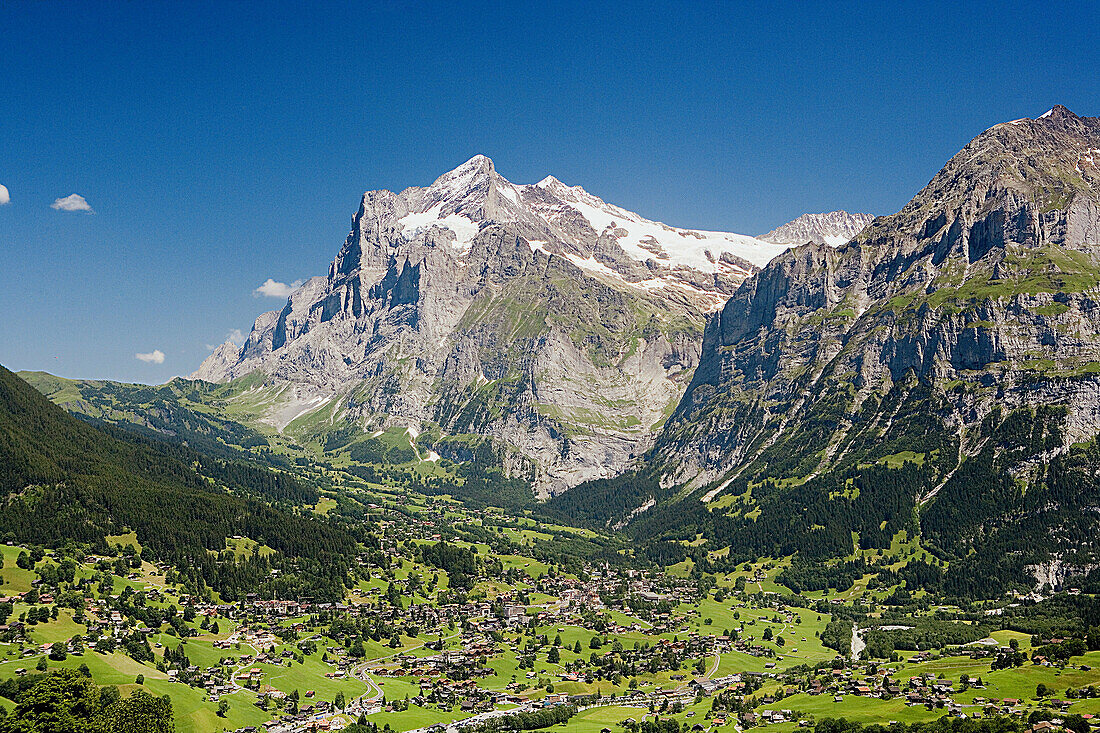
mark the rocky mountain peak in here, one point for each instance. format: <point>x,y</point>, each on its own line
<point>471,179</point>
<point>1033,168</point>
<point>479,164</point>
<point>222,358</point>
<point>833,228</point>
<point>1058,112</point>
<point>540,318</point>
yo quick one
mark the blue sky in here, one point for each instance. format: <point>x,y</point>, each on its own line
<point>222,144</point>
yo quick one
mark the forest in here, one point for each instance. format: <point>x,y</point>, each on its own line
<point>64,480</point>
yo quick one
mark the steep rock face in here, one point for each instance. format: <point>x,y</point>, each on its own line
<point>559,326</point>
<point>983,284</point>
<point>937,378</point>
<point>833,228</point>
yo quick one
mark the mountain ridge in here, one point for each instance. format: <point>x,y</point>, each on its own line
<point>938,375</point>
<point>944,240</point>
<point>558,326</point>
<point>67,480</point>
<point>833,228</point>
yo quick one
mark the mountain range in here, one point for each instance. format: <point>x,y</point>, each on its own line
<point>558,328</point>
<point>839,383</point>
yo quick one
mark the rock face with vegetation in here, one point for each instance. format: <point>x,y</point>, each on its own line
<point>982,286</point>
<point>939,374</point>
<point>558,327</point>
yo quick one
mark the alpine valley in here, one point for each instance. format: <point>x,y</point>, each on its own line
<point>522,458</point>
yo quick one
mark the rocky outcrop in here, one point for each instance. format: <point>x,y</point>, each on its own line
<point>222,359</point>
<point>1050,576</point>
<point>936,379</point>
<point>559,326</point>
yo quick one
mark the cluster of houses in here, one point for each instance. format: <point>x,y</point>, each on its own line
<point>448,679</point>
<point>455,663</point>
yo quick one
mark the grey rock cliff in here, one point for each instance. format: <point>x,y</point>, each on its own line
<point>983,287</point>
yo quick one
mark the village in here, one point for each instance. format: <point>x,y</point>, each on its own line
<point>604,642</point>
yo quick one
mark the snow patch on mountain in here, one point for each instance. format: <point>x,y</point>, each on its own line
<point>644,239</point>
<point>578,321</point>
<point>474,193</point>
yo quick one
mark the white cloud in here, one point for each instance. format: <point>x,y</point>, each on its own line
<point>5,197</point>
<point>156,356</point>
<point>235,337</point>
<point>274,289</point>
<point>73,202</point>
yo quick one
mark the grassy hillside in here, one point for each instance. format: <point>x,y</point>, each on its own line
<point>66,481</point>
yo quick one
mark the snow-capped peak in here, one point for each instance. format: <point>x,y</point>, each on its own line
<point>479,165</point>
<point>455,201</point>
<point>643,239</point>
<point>465,199</point>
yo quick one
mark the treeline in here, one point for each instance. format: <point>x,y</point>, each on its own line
<point>915,574</point>
<point>861,494</point>
<point>481,480</point>
<point>951,724</point>
<point>814,520</point>
<point>803,575</point>
<point>946,724</point>
<point>837,635</point>
<point>669,552</point>
<point>985,520</point>
<point>476,477</point>
<point>534,720</point>
<point>603,501</point>
<point>1061,616</point>
<point>68,699</point>
<point>160,412</point>
<point>924,634</point>
<point>996,526</point>
<point>1062,651</point>
<point>235,474</point>
<point>373,450</point>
